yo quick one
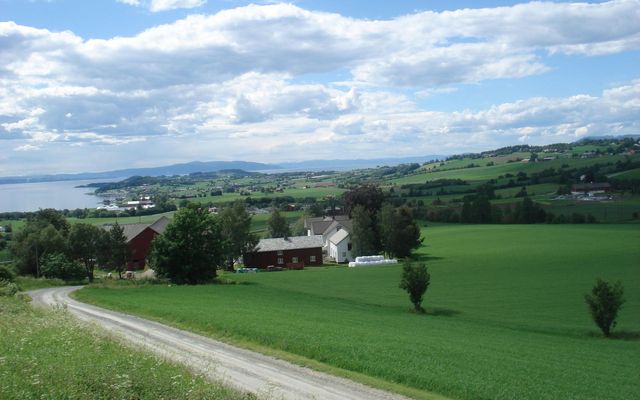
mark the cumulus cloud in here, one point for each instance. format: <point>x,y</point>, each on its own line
<point>234,81</point>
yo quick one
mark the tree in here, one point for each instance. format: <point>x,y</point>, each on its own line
<point>604,302</point>
<point>415,280</point>
<point>34,242</point>
<point>84,245</point>
<point>114,249</point>
<point>59,266</point>
<point>368,196</point>
<point>236,230</point>
<point>363,238</point>
<point>190,250</point>
<point>399,233</point>
<point>49,216</point>
<point>278,226</point>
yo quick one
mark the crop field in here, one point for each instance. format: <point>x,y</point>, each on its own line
<point>48,355</point>
<point>505,317</point>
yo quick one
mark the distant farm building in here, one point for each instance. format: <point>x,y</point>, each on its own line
<point>139,238</point>
<point>294,252</point>
<point>590,188</point>
<point>336,235</point>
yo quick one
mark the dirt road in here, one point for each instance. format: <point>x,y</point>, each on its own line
<point>246,370</point>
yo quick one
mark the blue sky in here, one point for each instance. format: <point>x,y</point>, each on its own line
<point>106,84</point>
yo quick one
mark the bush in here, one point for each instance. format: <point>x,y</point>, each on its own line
<point>6,274</point>
<point>604,302</point>
<point>57,265</point>
<point>415,280</point>
<point>8,288</point>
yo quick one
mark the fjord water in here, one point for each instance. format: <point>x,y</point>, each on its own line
<point>58,195</point>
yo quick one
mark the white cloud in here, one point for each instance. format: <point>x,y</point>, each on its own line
<point>27,147</point>
<point>164,5</point>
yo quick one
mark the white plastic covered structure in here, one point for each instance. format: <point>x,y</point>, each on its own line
<point>368,261</point>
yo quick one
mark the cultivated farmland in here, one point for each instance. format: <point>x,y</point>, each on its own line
<point>506,316</point>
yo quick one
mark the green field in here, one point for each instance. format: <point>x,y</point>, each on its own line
<point>506,316</point>
<point>48,355</point>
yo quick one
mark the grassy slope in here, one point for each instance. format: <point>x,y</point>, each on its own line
<point>47,355</point>
<point>507,316</point>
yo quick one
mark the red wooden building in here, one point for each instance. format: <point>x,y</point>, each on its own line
<point>292,252</point>
<point>139,238</point>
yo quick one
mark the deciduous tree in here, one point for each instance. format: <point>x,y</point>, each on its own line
<point>415,280</point>
<point>84,245</point>
<point>604,302</point>
<point>235,223</point>
<point>364,235</point>
<point>278,226</point>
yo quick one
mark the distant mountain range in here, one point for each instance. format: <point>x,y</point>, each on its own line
<point>212,166</point>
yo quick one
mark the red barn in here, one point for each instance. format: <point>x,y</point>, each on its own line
<point>292,252</point>
<point>139,238</point>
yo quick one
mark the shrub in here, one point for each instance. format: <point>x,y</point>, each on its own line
<point>604,302</point>
<point>415,280</point>
<point>6,274</point>
<point>57,265</point>
<point>8,288</point>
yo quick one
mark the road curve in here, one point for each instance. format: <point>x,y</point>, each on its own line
<point>243,369</point>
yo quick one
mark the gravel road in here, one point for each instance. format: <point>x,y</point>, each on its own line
<point>245,370</point>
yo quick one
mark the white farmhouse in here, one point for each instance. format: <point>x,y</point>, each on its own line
<point>340,246</point>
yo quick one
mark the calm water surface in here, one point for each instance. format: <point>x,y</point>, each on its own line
<point>58,195</point>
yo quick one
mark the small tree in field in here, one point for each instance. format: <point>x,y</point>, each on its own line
<point>604,302</point>
<point>415,280</point>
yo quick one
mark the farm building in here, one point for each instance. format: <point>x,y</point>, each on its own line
<point>336,235</point>
<point>590,188</point>
<point>292,252</point>
<point>139,238</point>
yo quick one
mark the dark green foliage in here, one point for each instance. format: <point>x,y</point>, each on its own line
<point>190,250</point>
<point>236,231</point>
<point>399,233</point>
<point>415,280</point>
<point>528,212</point>
<point>114,249</point>
<point>59,266</point>
<point>85,241</point>
<point>364,236</point>
<point>49,216</point>
<point>6,274</point>
<point>278,227</point>
<point>368,196</point>
<point>604,302</point>
<point>34,242</point>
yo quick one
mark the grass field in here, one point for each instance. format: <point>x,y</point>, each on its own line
<point>506,316</point>
<point>48,355</point>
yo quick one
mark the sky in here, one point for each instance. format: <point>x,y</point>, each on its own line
<point>108,84</point>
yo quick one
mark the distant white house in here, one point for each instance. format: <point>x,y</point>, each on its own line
<point>340,246</point>
<point>336,235</point>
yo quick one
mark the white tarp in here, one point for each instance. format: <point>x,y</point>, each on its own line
<point>368,261</point>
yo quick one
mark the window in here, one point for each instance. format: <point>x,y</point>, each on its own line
<point>312,259</point>
<point>344,254</point>
<point>279,252</point>
<point>294,259</point>
<point>349,246</point>
<point>280,260</point>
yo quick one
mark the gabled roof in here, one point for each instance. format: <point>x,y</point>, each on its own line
<point>339,236</point>
<point>130,231</point>
<point>290,243</point>
<point>320,225</point>
<point>346,225</point>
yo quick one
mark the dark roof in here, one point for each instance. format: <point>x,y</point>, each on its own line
<point>319,225</point>
<point>290,243</point>
<point>130,231</point>
<point>590,186</point>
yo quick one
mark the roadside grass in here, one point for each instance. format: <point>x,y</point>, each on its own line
<point>30,283</point>
<point>47,354</point>
<point>505,315</point>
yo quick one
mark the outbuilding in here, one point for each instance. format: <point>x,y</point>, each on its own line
<point>294,252</point>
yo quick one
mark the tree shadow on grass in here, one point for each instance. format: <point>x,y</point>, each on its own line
<point>440,312</point>
<point>619,335</point>
<point>425,258</point>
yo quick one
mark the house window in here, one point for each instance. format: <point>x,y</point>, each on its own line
<point>349,246</point>
<point>279,252</point>
<point>294,259</point>
<point>280,260</point>
<point>312,259</point>
<point>344,254</point>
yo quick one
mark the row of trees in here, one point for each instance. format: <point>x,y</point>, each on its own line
<point>49,246</point>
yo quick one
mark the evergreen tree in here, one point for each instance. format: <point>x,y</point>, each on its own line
<point>235,224</point>
<point>363,237</point>
<point>278,227</point>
